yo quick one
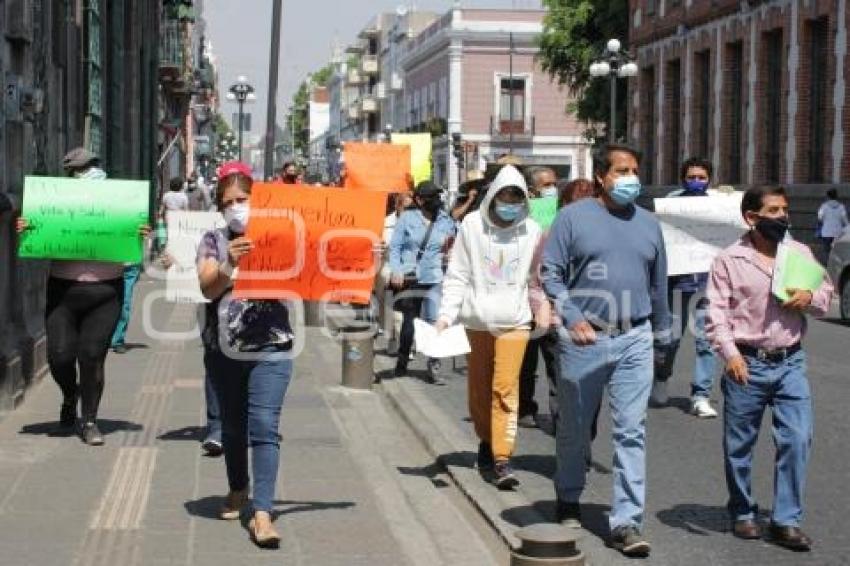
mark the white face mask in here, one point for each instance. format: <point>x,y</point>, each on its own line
<point>236,216</point>
<point>549,191</point>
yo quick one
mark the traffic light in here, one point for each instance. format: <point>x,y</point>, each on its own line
<point>457,146</point>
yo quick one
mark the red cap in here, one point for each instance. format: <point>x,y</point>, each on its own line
<point>232,168</point>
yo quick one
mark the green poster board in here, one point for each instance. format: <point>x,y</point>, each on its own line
<point>544,210</point>
<point>82,219</point>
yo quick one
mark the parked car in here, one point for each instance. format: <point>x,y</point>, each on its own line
<point>839,270</point>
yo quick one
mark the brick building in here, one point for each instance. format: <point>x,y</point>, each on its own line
<point>759,87</point>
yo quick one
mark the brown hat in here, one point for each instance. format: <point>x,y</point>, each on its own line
<point>79,158</point>
<point>509,159</point>
<point>474,180</point>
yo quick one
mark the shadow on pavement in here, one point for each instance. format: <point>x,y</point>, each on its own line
<point>208,507</point>
<point>193,433</point>
<point>594,517</point>
<point>696,519</point>
<point>431,471</point>
<point>52,428</point>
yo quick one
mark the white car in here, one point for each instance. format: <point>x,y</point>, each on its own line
<point>839,271</point>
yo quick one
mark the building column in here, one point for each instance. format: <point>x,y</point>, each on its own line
<point>751,104</point>
<point>793,68</point>
<point>455,121</point>
<point>718,100</point>
<point>839,93</point>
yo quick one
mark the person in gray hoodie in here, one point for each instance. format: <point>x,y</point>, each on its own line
<point>832,221</point>
<point>486,289</point>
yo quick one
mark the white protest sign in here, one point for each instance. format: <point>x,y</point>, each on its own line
<point>185,231</point>
<point>696,229</point>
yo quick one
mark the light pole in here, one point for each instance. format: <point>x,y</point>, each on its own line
<point>241,92</point>
<point>614,63</point>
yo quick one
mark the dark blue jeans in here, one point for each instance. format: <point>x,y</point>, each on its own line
<point>784,388</point>
<point>213,410</point>
<point>250,395</point>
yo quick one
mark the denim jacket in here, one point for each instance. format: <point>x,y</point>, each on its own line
<point>407,239</point>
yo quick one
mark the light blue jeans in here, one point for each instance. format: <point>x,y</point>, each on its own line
<point>784,388</point>
<point>131,277</point>
<point>623,364</point>
<point>705,365</point>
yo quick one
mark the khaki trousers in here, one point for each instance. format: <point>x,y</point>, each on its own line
<point>493,381</point>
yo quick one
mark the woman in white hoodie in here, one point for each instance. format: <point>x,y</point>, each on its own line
<point>486,290</point>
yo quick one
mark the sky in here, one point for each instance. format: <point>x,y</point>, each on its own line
<point>240,32</point>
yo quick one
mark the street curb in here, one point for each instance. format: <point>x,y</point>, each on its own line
<point>443,440</point>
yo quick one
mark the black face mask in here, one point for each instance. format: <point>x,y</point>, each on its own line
<point>772,229</point>
<point>432,204</point>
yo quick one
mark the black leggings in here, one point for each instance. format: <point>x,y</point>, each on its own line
<point>81,318</point>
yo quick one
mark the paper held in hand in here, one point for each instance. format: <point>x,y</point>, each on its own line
<point>795,270</point>
<point>448,343</point>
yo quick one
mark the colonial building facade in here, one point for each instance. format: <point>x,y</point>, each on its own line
<point>759,87</point>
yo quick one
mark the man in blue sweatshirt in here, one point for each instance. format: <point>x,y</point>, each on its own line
<point>687,293</point>
<point>605,268</point>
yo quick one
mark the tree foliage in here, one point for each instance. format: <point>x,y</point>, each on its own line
<point>299,112</point>
<point>574,36</point>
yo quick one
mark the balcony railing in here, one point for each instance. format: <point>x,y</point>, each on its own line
<point>523,127</point>
<point>369,105</point>
<point>354,77</point>
<point>171,50</point>
<point>369,65</point>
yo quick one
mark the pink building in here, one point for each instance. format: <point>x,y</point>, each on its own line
<point>459,77</point>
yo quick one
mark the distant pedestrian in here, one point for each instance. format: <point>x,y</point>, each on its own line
<point>686,293</point>
<point>198,194</point>
<point>832,221</point>
<point>246,343</point>
<point>605,268</point>
<point>759,338</point>
<point>84,301</point>
<point>486,289</point>
<point>417,259</point>
<point>397,203</point>
<point>289,173</point>
<point>469,195</point>
<point>175,198</point>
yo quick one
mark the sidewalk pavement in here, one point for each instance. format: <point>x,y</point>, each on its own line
<point>686,520</point>
<point>354,488</point>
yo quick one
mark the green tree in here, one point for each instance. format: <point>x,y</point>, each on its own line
<point>299,118</point>
<point>574,35</point>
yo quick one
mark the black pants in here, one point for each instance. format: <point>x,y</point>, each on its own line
<point>81,318</point>
<point>547,345</point>
<point>409,304</point>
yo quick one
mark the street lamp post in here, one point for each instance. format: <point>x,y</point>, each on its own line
<point>241,92</point>
<point>614,63</point>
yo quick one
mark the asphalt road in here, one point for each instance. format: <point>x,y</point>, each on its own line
<point>686,517</point>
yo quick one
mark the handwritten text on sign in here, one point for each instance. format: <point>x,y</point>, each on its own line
<point>697,228</point>
<point>185,230</point>
<point>315,243</point>
<point>81,219</point>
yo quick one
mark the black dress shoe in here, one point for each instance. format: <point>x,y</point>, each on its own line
<point>746,529</point>
<point>400,369</point>
<point>789,537</point>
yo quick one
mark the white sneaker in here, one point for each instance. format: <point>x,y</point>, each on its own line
<point>701,408</point>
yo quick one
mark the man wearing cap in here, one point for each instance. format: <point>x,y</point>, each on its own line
<point>418,249</point>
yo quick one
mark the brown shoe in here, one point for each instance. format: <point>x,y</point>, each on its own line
<point>262,531</point>
<point>746,529</point>
<point>233,505</point>
<point>789,537</point>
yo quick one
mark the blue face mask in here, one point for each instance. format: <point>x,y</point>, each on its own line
<point>695,186</point>
<point>626,190</point>
<point>508,212</point>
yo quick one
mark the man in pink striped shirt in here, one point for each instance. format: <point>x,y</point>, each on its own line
<point>759,338</point>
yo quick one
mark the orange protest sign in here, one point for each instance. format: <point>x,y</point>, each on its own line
<point>314,243</point>
<point>377,167</point>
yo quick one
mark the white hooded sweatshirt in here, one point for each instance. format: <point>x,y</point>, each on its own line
<point>486,284</point>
